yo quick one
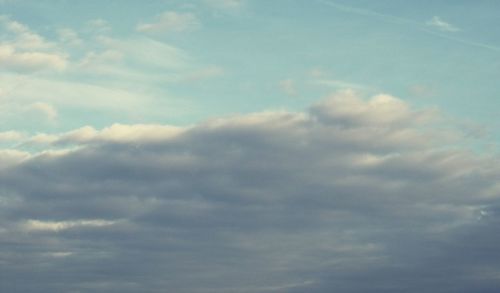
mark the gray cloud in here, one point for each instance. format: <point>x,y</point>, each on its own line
<point>349,196</point>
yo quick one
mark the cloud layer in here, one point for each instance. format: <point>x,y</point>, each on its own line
<point>351,195</point>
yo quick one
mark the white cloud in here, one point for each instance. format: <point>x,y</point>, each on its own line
<point>8,136</point>
<point>60,93</point>
<point>56,226</point>
<point>30,61</point>
<point>132,67</point>
<point>24,50</point>
<point>121,133</point>
<point>171,21</point>
<point>41,139</point>
<point>348,108</point>
<point>12,157</point>
<point>440,24</point>
<point>143,61</point>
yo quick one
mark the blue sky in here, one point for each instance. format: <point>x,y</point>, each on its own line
<point>209,58</point>
<point>249,146</point>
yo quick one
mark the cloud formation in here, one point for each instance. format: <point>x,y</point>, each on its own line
<point>352,195</point>
<point>21,49</point>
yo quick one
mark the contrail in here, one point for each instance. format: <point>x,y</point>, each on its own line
<point>460,40</point>
<point>360,11</point>
<point>400,20</point>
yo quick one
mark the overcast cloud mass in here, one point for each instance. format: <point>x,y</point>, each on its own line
<point>351,195</point>
<point>244,146</point>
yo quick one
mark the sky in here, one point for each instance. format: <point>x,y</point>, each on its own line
<point>249,146</point>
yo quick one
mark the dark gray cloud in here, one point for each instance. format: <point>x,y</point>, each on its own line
<point>351,196</point>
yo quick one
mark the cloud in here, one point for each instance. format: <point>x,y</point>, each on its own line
<point>423,27</point>
<point>441,25</point>
<point>352,194</point>
<point>23,36</point>
<point>119,75</point>
<point>121,133</point>
<point>75,94</point>
<point>54,226</point>
<point>99,71</point>
<point>30,61</point>
<point>11,157</point>
<point>11,135</point>
<point>346,108</point>
<point>171,21</point>
<point>24,50</point>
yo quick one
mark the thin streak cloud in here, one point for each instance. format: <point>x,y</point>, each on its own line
<point>420,26</point>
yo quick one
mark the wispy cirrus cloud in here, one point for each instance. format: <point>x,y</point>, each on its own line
<point>88,57</point>
<point>438,23</point>
<point>405,21</point>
